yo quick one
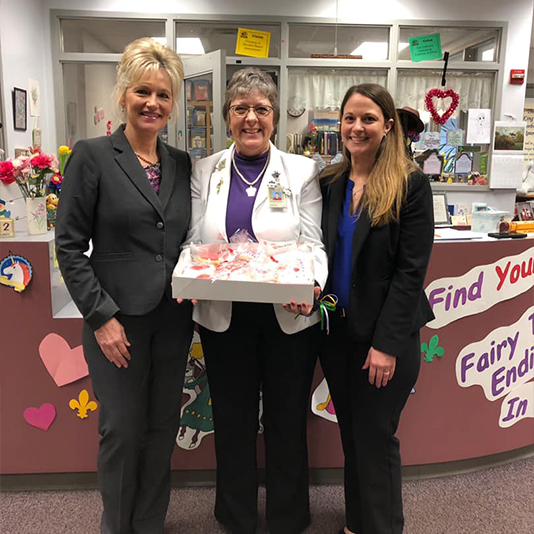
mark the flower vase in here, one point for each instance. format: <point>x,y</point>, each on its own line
<point>36,215</point>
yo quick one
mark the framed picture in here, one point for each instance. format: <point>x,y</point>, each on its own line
<point>441,210</point>
<point>19,109</point>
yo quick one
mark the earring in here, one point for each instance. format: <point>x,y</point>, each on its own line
<point>122,108</point>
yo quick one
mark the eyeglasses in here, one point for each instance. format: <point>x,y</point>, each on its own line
<point>260,111</point>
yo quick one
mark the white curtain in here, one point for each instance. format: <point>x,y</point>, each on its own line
<point>325,88</point>
<point>474,89</point>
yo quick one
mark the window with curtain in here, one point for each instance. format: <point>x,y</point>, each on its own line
<point>324,88</point>
<point>474,88</point>
<point>314,99</point>
<point>476,91</point>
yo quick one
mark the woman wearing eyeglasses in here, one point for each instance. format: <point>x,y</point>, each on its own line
<point>251,348</point>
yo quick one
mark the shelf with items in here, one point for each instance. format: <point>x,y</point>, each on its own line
<point>199,128</point>
<point>319,136</point>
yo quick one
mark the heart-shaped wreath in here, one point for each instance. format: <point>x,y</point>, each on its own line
<point>439,93</point>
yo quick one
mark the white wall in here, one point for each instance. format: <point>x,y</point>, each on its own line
<point>22,39</point>
<point>25,33</point>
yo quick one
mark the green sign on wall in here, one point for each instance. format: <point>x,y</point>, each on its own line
<point>425,47</point>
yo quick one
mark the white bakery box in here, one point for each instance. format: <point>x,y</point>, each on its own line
<point>190,284</point>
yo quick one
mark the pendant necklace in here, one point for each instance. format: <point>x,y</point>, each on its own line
<point>251,190</point>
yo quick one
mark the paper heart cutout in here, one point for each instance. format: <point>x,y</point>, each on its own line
<point>65,365</point>
<point>439,93</point>
<point>41,417</point>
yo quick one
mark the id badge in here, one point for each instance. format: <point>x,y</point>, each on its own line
<point>277,197</point>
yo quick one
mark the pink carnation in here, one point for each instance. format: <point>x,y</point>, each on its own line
<point>6,172</point>
<point>41,161</point>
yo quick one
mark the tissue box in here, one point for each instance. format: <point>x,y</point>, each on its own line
<point>487,221</point>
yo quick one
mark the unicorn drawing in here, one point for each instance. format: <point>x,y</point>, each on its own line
<point>16,272</point>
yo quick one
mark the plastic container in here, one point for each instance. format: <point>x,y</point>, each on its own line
<point>487,221</point>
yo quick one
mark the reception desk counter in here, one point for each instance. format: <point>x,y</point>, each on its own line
<point>474,396</point>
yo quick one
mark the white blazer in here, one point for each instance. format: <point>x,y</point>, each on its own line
<point>300,221</point>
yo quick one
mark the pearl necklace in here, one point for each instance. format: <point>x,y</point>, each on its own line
<point>251,190</point>
<point>146,160</point>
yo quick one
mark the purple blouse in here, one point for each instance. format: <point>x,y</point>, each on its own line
<point>240,205</point>
<point>153,173</point>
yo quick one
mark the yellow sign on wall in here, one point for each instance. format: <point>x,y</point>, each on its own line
<point>252,43</point>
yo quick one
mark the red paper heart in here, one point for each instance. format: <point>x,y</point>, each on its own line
<point>64,364</point>
<point>41,417</point>
<point>439,93</point>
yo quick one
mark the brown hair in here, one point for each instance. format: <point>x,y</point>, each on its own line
<point>386,185</point>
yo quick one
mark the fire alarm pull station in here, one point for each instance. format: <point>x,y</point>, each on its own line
<point>517,77</point>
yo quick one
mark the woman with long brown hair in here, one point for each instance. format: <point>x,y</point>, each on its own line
<point>378,230</point>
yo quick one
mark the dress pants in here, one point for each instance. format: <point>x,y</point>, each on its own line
<point>252,355</point>
<point>368,418</point>
<point>139,416</point>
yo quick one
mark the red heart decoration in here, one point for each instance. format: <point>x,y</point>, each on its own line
<point>439,93</point>
<point>41,417</point>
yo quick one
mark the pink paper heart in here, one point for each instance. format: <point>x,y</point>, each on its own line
<point>64,364</point>
<point>41,417</point>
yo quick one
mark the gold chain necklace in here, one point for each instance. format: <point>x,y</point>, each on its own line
<point>251,190</point>
<point>146,160</point>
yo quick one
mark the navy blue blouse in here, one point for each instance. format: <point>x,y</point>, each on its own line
<point>342,268</point>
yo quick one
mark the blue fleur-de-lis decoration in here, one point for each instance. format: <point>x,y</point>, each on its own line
<point>432,349</point>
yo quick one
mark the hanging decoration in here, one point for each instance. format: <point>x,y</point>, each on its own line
<point>439,93</point>
<point>442,93</point>
<point>15,272</point>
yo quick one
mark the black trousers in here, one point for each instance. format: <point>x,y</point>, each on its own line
<point>252,355</point>
<point>368,418</point>
<point>139,416</point>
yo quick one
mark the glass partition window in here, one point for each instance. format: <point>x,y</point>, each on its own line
<point>449,141</point>
<point>107,35</point>
<point>463,44</point>
<point>372,43</point>
<point>315,97</point>
<point>89,105</point>
<point>196,38</point>
<point>199,116</point>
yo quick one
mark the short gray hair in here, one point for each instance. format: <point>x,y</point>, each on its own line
<point>244,81</point>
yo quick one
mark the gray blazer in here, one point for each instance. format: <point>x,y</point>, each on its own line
<point>136,234</point>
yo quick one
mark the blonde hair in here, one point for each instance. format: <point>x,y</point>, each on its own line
<point>146,55</point>
<point>386,186</point>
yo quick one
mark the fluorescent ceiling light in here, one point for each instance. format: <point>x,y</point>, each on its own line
<point>189,46</point>
<point>487,55</point>
<point>371,50</point>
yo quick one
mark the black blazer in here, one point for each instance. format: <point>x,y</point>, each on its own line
<point>386,302</point>
<point>136,234</point>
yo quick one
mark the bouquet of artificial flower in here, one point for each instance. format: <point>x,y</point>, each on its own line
<point>32,173</point>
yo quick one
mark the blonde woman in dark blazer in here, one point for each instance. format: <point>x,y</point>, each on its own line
<point>129,194</point>
<point>378,229</point>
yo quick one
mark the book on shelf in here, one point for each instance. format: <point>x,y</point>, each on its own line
<point>197,138</point>
<point>201,90</point>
